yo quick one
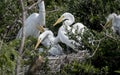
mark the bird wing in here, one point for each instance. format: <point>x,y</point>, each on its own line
<point>30,26</point>
<point>79,27</point>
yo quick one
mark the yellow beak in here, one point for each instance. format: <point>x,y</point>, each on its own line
<point>40,28</point>
<point>58,21</point>
<point>38,42</point>
<point>108,24</point>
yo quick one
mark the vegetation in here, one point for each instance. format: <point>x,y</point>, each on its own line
<point>92,13</point>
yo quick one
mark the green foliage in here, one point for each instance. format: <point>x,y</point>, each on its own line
<point>92,13</point>
<point>107,45</point>
<point>8,56</point>
<point>84,68</point>
<point>9,14</point>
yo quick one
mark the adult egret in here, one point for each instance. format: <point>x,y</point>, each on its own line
<point>48,40</point>
<point>34,20</point>
<point>114,20</point>
<point>68,19</point>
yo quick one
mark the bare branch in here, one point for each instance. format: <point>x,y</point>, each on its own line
<point>110,37</point>
<point>103,27</point>
<point>30,7</point>
<point>99,41</point>
<point>23,39</point>
<point>1,43</point>
<point>95,49</point>
<point>53,10</point>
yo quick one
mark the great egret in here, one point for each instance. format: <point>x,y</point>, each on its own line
<point>68,19</point>
<point>114,20</point>
<point>34,20</point>
<point>48,40</point>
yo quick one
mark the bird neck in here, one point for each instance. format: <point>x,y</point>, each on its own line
<point>69,21</point>
<point>66,26</point>
<point>56,40</point>
<point>44,35</point>
<point>42,12</point>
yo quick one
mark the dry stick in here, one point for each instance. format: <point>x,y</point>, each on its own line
<point>1,43</point>
<point>18,64</point>
<point>110,37</point>
<point>95,50</point>
<point>96,47</point>
<point>53,11</point>
<point>107,34</point>
<point>28,8</point>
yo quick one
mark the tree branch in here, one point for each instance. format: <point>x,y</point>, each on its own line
<point>23,39</point>
<point>30,7</point>
<point>99,41</point>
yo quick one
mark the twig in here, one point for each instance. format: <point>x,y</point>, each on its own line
<point>1,43</point>
<point>103,27</point>
<point>30,7</point>
<point>96,48</point>
<point>53,10</point>
<point>110,37</point>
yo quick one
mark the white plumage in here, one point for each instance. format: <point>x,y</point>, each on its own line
<point>48,40</point>
<point>34,20</point>
<point>79,27</point>
<point>68,19</point>
<point>115,19</point>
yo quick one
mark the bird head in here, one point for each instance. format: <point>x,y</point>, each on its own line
<point>67,17</point>
<point>108,24</point>
<point>110,18</point>
<point>41,28</point>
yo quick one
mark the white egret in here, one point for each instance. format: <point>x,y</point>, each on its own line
<point>68,19</point>
<point>48,40</point>
<point>114,20</point>
<point>34,20</point>
<point>79,27</point>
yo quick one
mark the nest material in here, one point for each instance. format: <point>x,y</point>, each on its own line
<point>55,63</point>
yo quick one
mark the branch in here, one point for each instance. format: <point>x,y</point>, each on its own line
<point>30,7</point>
<point>110,37</point>
<point>23,39</point>
<point>23,22</point>
<point>1,43</point>
<point>96,47</point>
<point>53,10</point>
<point>95,50</point>
<point>103,27</point>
